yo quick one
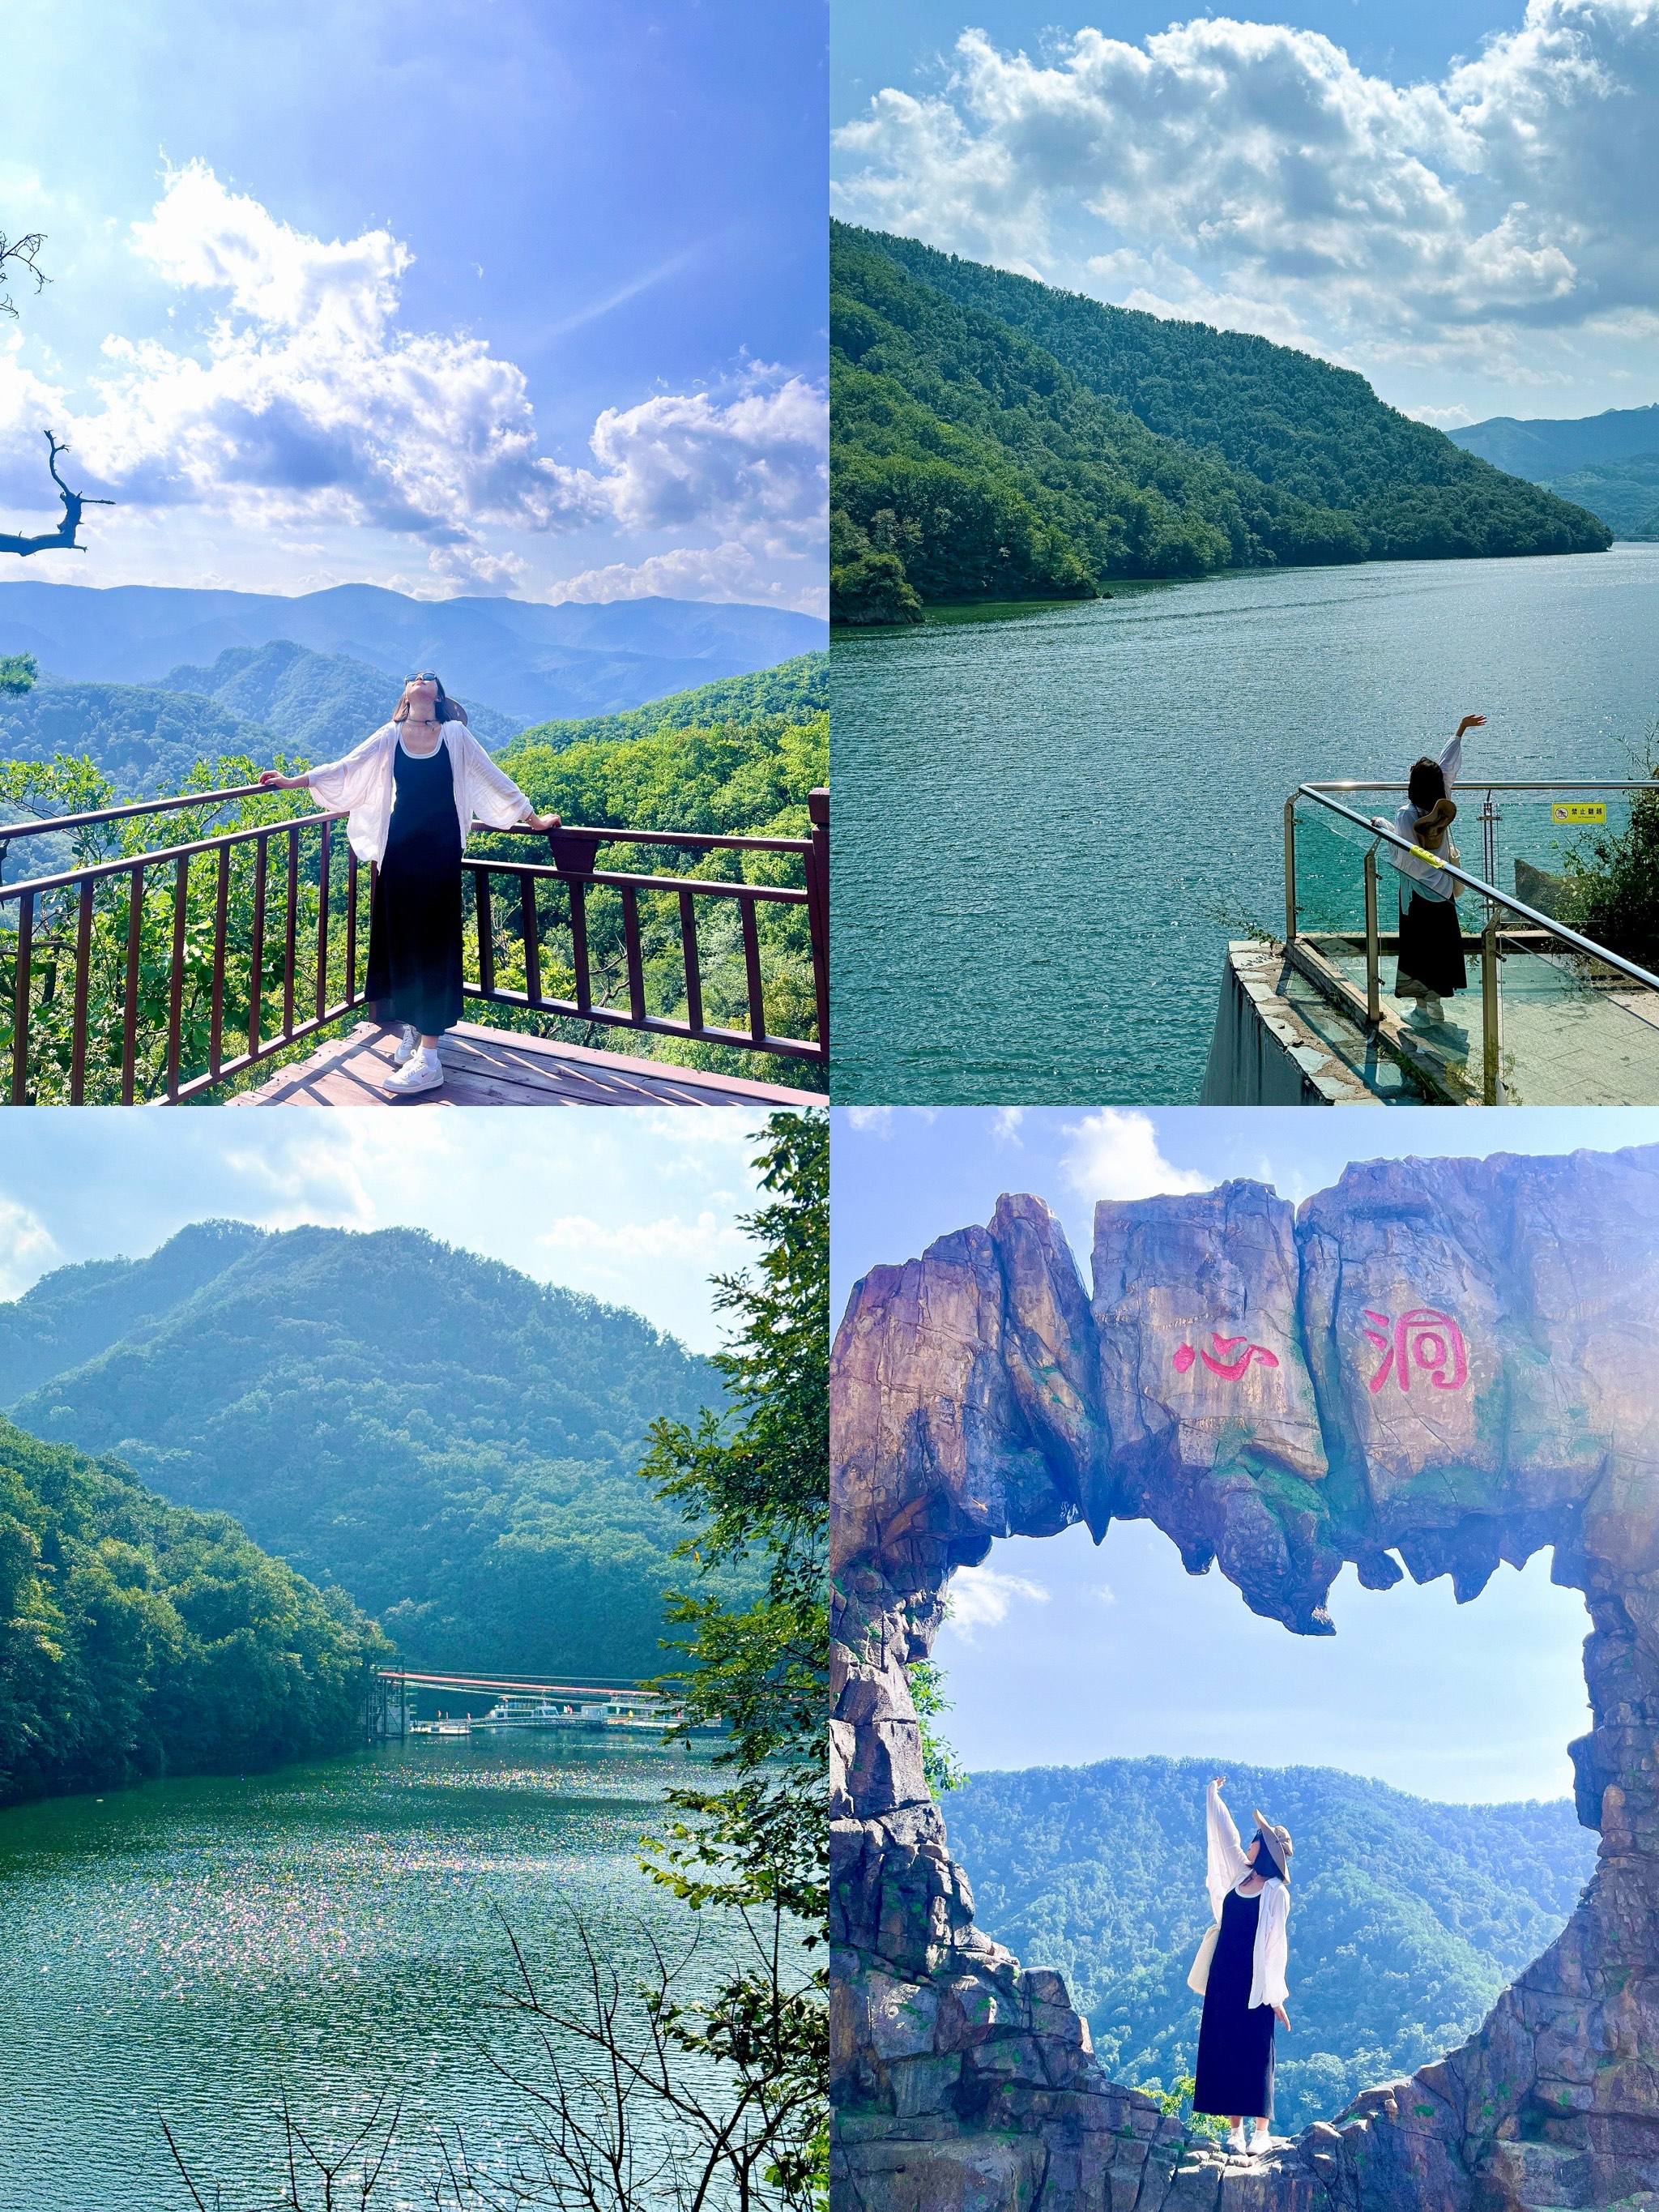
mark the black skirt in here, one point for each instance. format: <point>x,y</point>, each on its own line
<point>1431,948</point>
<point>415,916</point>
<point>1234,2067</point>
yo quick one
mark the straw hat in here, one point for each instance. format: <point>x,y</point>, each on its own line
<point>1277,1841</point>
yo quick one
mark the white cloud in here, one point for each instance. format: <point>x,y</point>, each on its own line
<point>728,573</point>
<point>980,1598</point>
<point>301,401</point>
<point>1006,1124</point>
<point>27,1247</point>
<point>1115,1154</point>
<point>870,1121</point>
<point>1251,173</point>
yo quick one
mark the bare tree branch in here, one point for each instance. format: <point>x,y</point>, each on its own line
<point>61,540</point>
<point>20,253</point>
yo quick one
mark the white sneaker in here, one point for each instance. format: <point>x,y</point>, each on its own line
<point>1236,2142</point>
<point>1259,2142</point>
<point>408,1045</point>
<point>423,1071</point>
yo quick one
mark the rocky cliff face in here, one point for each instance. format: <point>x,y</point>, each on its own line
<point>1440,1363</point>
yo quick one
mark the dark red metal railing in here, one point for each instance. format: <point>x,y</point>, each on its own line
<point>315,974</point>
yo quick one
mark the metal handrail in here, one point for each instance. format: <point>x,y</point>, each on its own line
<point>1381,833</point>
<point>1483,783</point>
<point>1488,891</point>
<point>573,855</point>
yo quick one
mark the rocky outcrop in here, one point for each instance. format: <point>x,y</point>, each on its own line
<point>1435,1366</point>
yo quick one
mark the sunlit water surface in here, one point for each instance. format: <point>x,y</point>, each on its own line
<point>188,1949</point>
<point>1048,821</point>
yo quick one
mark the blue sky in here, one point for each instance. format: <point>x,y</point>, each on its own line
<point>1060,1652</point>
<point>461,294</point>
<point>1453,198</point>
<point>637,1207</point>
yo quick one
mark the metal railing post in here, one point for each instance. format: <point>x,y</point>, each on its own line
<point>1491,1082</point>
<point>1373,947</point>
<point>817,907</point>
<point>1289,869</point>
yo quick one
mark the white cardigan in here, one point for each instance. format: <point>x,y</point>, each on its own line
<point>1425,874</point>
<point>362,784</point>
<point>1227,1868</point>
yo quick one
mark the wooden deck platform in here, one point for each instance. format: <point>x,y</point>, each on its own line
<point>495,1067</point>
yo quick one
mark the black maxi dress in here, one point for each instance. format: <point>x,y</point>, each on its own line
<point>1431,946</point>
<point>1235,2070</point>
<point>415,916</point>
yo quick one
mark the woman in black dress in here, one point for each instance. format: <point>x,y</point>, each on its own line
<point>1240,1970</point>
<point>413,791</point>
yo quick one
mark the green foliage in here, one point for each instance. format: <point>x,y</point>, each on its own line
<point>18,673</point>
<point>751,1483</point>
<point>68,785</point>
<point>451,1443</point>
<point>145,740</point>
<point>938,1762</point>
<point>1407,1918</point>
<point>733,778</point>
<point>137,1638</point>
<point>793,691</point>
<point>998,440</point>
<point>1623,494</point>
<point>1612,880</point>
<point>1177,2102</point>
<point>1307,431</point>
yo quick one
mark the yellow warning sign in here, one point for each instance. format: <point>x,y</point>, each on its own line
<point>1579,810</point>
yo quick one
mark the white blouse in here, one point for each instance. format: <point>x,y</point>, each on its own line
<point>1425,874</point>
<point>362,783</point>
<point>1227,1868</point>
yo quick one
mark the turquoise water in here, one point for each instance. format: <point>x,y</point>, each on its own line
<point>1049,821</point>
<point>187,1949</point>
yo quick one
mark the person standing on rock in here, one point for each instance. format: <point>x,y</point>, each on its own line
<point>413,790</point>
<point>1239,1971</point>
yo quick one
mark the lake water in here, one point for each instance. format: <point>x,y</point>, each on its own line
<point>184,1949</point>
<point>1046,820</point>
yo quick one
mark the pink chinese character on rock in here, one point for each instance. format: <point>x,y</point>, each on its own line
<point>1227,1367</point>
<point>1423,1338</point>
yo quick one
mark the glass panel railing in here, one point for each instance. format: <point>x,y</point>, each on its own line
<point>1547,1017</point>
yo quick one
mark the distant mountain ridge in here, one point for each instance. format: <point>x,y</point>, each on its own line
<point>1608,463</point>
<point>1407,1916</point>
<point>450,1442</point>
<point>318,704</point>
<point>994,438</point>
<point>528,660</point>
<point>794,691</point>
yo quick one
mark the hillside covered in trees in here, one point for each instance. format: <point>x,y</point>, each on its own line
<point>1608,462</point>
<point>138,1637</point>
<point>1407,1918</point>
<point>450,1443</point>
<point>992,438</point>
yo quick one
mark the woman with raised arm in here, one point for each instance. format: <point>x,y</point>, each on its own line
<point>1239,1971</point>
<point>1429,967</point>
<point>413,791</point>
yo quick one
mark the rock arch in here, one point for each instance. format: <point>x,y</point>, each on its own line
<point>1449,1363</point>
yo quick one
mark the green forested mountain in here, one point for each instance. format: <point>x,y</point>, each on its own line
<point>994,438</point>
<point>319,704</point>
<point>1608,462</point>
<point>145,739</point>
<point>138,1637</point>
<point>794,691</point>
<point>256,700</point>
<point>452,1444</point>
<point>1407,1918</point>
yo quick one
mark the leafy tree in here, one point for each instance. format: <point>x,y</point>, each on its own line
<point>18,671</point>
<point>138,1637</point>
<point>1613,882</point>
<point>938,1762</point>
<point>752,1482</point>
